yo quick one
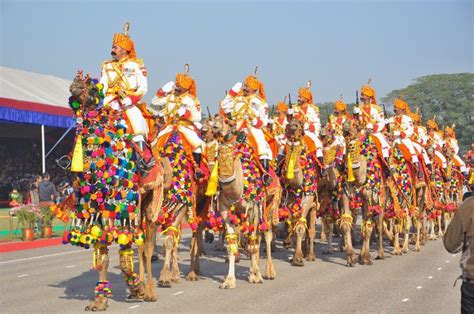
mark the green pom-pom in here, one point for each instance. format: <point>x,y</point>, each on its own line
<point>75,104</point>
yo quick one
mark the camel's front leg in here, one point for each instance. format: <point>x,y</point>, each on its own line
<point>406,236</point>
<point>330,230</point>
<point>232,251</point>
<point>396,239</point>
<point>253,247</point>
<point>300,232</point>
<point>149,247</point>
<point>165,274</point>
<point>311,257</point>
<point>367,228</point>
<point>440,226</point>
<point>418,234</point>
<point>270,272</point>
<point>126,263</point>
<point>194,252</point>
<point>346,226</point>
<point>380,229</point>
<point>102,290</point>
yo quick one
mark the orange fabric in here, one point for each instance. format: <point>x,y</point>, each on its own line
<point>254,83</point>
<point>432,124</point>
<point>368,91</point>
<point>186,82</point>
<point>125,42</point>
<point>402,105</point>
<point>340,106</point>
<point>282,107</point>
<point>271,141</point>
<point>378,144</point>
<point>163,139</point>
<point>305,93</point>
<point>309,144</point>
<point>449,132</point>
<point>405,151</point>
<point>415,117</point>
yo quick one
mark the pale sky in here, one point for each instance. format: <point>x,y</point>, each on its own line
<point>336,44</point>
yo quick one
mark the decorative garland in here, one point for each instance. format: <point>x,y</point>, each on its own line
<point>103,289</point>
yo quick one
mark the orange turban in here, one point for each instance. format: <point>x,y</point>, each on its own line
<point>449,132</point>
<point>401,104</point>
<point>432,124</point>
<point>368,91</point>
<point>186,82</point>
<point>254,83</point>
<point>415,117</point>
<point>340,106</point>
<point>125,42</point>
<point>305,93</point>
<point>282,107</point>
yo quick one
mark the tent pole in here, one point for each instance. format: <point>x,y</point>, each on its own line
<point>43,159</point>
<point>60,139</point>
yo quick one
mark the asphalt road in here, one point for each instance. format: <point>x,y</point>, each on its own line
<point>60,279</point>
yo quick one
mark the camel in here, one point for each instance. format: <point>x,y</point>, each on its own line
<point>102,230</point>
<point>299,181</point>
<point>363,187</point>
<point>330,186</point>
<point>239,193</point>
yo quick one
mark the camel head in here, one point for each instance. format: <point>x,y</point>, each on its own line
<point>223,129</point>
<point>349,129</point>
<point>84,91</point>
<point>206,130</point>
<point>294,130</point>
<point>327,135</point>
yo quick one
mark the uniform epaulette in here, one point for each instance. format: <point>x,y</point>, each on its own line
<point>139,61</point>
<point>107,62</point>
<point>316,108</point>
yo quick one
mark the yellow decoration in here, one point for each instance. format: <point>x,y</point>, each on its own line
<point>213,181</point>
<point>122,239</point>
<point>77,164</point>
<point>95,231</point>
<point>350,172</point>
<point>290,174</point>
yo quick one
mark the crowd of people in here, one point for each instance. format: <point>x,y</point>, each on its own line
<point>21,167</point>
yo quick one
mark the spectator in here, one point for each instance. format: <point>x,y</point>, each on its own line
<point>459,237</point>
<point>33,193</point>
<point>64,191</point>
<point>47,190</point>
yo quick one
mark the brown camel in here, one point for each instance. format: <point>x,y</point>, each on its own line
<point>232,199</point>
<point>300,192</point>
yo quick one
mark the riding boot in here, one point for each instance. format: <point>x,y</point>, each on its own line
<point>145,160</point>
<point>386,167</point>
<point>280,159</point>
<point>321,166</point>
<point>266,178</point>
<point>198,172</point>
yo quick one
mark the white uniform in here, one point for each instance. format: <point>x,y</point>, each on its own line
<point>373,118</point>
<point>251,115</point>
<point>336,124</point>
<point>420,139</point>
<point>403,132</point>
<point>181,113</point>
<point>278,130</point>
<point>453,143</point>
<point>312,125</point>
<point>127,76</point>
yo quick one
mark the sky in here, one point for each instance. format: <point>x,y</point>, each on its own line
<point>338,45</point>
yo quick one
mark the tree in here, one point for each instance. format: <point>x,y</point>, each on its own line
<point>448,96</point>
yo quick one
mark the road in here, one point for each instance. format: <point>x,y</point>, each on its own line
<point>60,279</point>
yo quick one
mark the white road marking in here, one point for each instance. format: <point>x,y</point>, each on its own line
<point>419,287</point>
<point>447,261</point>
<point>454,255</point>
<point>406,299</point>
<point>430,277</point>
<point>24,275</point>
<point>179,292</point>
<point>439,268</point>
<point>71,266</point>
<point>134,306</point>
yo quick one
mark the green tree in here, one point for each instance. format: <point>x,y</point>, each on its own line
<point>448,96</point>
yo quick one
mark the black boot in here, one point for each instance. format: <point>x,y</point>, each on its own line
<point>280,164</point>
<point>266,178</point>
<point>321,166</point>
<point>145,160</point>
<point>197,172</point>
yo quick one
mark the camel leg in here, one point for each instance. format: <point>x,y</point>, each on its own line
<point>220,245</point>
<point>232,251</point>
<point>126,263</point>
<point>288,242</point>
<point>300,232</point>
<point>270,272</point>
<point>329,249</point>
<point>418,235</point>
<point>432,236</point>
<point>396,241</point>
<point>447,220</point>
<point>406,235</point>
<point>323,238</point>
<point>346,226</point>
<point>175,273</point>
<point>380,228</point>
<point>102,289</point>
<point>440,226</point>
<point>149,247</point>
<point>253,247</point>
<point>192,275</point>
<point>364,257</point>
<point>165,274</point>
<point>312,234</point>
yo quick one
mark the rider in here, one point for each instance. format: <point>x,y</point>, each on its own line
<point>279,128</point>
<point>250,112</point>
<point>372,120</point>
<point>403,131</point>
<point>452,142</point>
<point>308,112</point>
<point>124,80</point>
<point>337,120</point>
<point>436,142</point>
<point>178,104</point>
